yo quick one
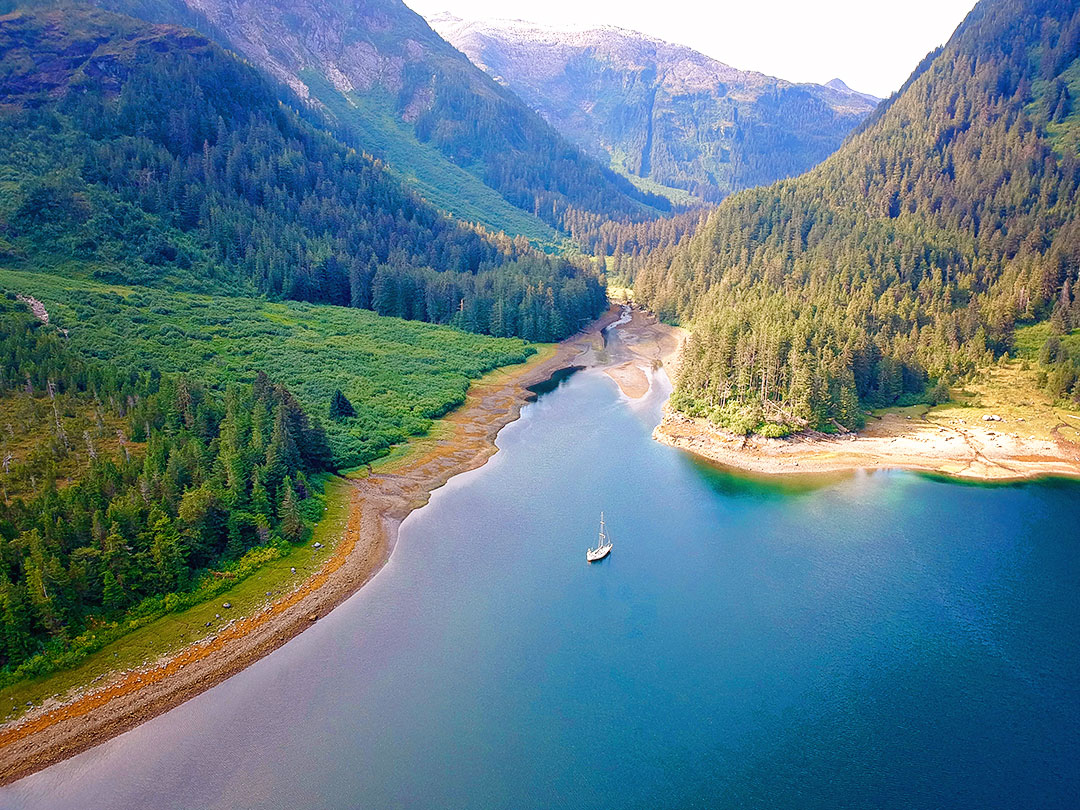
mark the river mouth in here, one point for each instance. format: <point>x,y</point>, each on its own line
<point>554,381</point>
<point>884,640</point>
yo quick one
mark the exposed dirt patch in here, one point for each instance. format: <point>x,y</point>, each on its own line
<point>36,307</point>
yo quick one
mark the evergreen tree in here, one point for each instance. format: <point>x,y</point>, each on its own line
<point>113,597</point>
<point>289,520</point>
<point>167,552</point>
<point>16,622</point>
<point>340,407</point>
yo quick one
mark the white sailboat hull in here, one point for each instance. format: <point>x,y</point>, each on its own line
<point>603,545</point>
<point>594,554</point>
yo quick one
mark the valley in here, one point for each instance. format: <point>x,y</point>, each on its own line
<point>659,112</point>
<point>814,599</point>
<point>328,330</point>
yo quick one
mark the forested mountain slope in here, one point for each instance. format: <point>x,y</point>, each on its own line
<point>396,89</point>
<point>148,461</point>
<point>147,154</point>
<point>122,487</point>
<point>909,256</point>
<point>659,111</point>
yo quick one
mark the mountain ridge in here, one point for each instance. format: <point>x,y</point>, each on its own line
<point>392,86</point>
<point>658,110</point>
<point>841,86</point>
<point>589,34</point>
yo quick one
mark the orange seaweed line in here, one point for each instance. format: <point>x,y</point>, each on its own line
<point>135,680</point>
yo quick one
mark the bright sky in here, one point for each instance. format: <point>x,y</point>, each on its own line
<point>873,45</point>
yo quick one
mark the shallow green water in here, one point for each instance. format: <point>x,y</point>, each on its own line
<point>877,640</point>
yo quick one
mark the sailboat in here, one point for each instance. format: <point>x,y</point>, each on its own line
<point>603,545</point>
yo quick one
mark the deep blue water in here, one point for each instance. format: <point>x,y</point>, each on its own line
<point>879,640</point>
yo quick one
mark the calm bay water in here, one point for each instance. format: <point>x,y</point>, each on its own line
<point>883,640</point>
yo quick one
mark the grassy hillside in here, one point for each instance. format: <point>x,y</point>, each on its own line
<point>445,185</point>
<point>398,374</point>
<point>165,451</point>
<point>128,493</point>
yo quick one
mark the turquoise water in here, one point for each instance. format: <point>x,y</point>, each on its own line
<point>878,640</point>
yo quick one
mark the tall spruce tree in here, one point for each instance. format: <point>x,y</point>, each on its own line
<point>340,407</point>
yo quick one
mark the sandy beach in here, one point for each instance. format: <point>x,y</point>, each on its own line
<point>66,726</point>
<point>641,346</point>
<point>962,448</point>
<point>1000,427</point>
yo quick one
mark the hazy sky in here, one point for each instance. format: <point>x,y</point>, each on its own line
<point>873,45</point>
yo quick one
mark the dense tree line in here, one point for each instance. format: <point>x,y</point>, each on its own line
<point>198,480</point>
<point>1059,356</point>
<point>164,159</point>
<point>631,242</point>
<point>906,259</point>
<point>520,299</point>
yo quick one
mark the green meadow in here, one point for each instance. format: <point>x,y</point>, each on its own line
<point>399,375</point>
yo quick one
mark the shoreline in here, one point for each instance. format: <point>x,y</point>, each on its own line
<point>974,453</point>
<point>632,356</point>
<point>379,502</point>
<point>1006,430</point>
